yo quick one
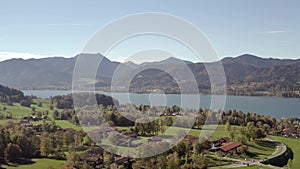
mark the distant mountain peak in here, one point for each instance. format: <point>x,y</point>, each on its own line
<point>131,64</point>
<point>174,60</point>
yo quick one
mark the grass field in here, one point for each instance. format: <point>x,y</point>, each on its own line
<point>16,109</point>
<point>19,111</point>
<point>261,148</point>
<point>253,167</point>
<point>39,164</point>
<point>294,145</point>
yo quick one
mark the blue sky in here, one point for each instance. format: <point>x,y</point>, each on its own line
<point>34,28</point>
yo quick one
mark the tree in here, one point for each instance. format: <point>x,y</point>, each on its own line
<point>173,161</point>
<point>250,131</point>
<point>4,140</point>
<point>73,161</point>
<point>68,138</point>
<point>78,137</point>
<point>46,145</point>
<point>290,164</point>
<point>228,127</point>
<point>25,103</point>
<point>40,104</point>
<point>56,115</point>
<point>199,161</point>
<point>108,158</point>
<point>162,161</point>
<point>12,152</point>
<point>196,148</point>
<point>26,145</point>
<point>232,133</point>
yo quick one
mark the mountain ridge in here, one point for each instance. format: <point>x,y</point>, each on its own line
<point>242,72</point>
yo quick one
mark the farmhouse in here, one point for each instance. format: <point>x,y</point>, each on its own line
<point>232,146</point>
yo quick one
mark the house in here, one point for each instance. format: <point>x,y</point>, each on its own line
<point>132,135</point>
<point>219,142</point>
<point>93,157</point>
<point>155,139</point>
<point>124,161</point>
<point>27,125</point>
<point>30,118</point>
<point>228,147</point>
<point>103,130</point>
<point>38,127</point>
<point>71,130</point>
<point>191,139</point>
<point>127,139</point>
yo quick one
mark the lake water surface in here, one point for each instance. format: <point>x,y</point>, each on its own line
<point>273,106</point>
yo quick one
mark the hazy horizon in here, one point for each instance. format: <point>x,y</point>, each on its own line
<point>139,62</point>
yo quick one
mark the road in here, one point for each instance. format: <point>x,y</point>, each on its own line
<point>281,148</point>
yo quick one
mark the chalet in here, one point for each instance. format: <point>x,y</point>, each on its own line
<point>228,147</point>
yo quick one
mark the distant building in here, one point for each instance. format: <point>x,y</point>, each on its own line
<point>155,139</point>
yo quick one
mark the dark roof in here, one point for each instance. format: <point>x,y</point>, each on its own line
<point>101,130</point>
<point>230,146</point>
<point>221,140</point>
<point>131,135</point>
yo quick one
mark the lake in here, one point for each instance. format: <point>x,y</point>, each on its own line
<point>272,106</point>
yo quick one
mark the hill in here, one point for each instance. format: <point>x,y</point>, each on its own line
<point>10,95</point>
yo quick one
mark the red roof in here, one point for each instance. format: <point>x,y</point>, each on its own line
<point>191,138</point>
<point>230,146</point>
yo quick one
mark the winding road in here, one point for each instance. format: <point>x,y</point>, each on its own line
<point>281,149</point>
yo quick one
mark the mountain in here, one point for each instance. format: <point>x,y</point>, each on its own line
<point>54,72</point>
<point>37,72</point>
<point>255,61</point>
<point>245,75</point>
